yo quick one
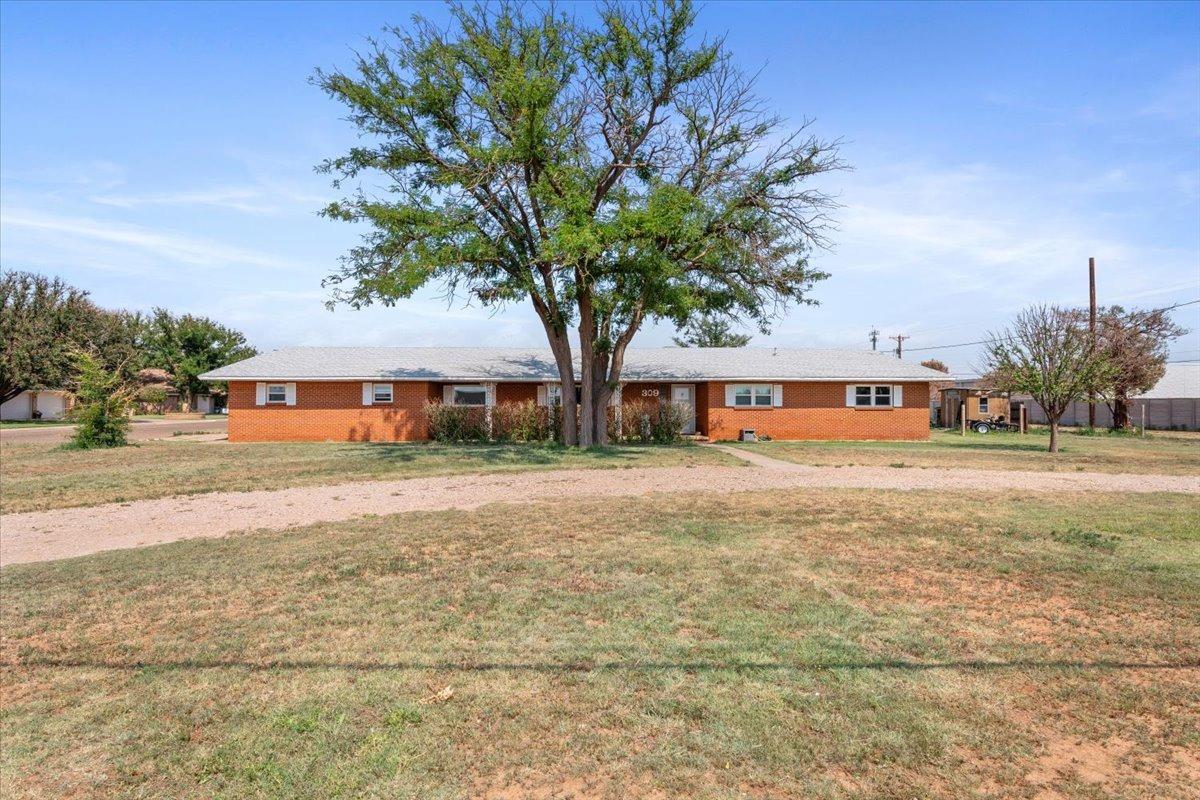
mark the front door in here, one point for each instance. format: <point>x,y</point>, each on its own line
<point>685,396</point>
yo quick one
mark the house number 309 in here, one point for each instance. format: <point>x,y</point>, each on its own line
<point>649,392</point>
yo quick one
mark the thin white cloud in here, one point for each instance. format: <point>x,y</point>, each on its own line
<point>244,199</point>
<point>167,245</point>
<point>249,199</point>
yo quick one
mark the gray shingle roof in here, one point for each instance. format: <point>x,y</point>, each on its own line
<point>532,364</point>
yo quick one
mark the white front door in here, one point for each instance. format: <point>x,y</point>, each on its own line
<point>685,395</point>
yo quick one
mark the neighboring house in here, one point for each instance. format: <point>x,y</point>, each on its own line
<point>1173,404</point>
<point>379,393</point>
<point>39,404</point>
<point>155,383</point>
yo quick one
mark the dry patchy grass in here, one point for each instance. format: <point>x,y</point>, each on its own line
<point>806,644</point>
<point>43,476</point>
<point>1161,453</point>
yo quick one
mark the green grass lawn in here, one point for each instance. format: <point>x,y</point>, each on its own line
<point>805,644</point>
<point>44,476</point>
<point>1166,453</point>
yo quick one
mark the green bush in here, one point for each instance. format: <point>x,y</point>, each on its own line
<point>637,421</point>
<point>456,423</point>
<point>101,410</point>
<point>520,422</point>
<point>644,422</point>
<point>152,398</point>
<point>668,423</point>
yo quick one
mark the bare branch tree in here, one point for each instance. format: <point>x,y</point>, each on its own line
<point>1049,354</point>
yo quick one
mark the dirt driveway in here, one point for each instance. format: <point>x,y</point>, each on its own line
<point>64,533</point>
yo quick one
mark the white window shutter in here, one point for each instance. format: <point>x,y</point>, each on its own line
<point>897,396</point>
<point>542,399</point>
<point>448,395</point>
<point>850,396</point>
<point>289,394</point>
<point>368,394</point>
<point>777,395</point>
<point>729,390</point>
<point>260,394</point>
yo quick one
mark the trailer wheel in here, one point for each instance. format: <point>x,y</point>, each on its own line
<point>982,427</point>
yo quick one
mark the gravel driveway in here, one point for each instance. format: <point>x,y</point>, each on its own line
<point>64,533</point>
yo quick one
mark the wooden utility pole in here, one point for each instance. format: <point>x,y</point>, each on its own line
<point>900,344</point>
<point>1092,330</point>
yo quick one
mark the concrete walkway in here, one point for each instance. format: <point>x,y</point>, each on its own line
<point>64,533</point>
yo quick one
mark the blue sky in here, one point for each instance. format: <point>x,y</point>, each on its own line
<point>162,154</point>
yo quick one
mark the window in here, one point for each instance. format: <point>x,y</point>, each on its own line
<point>470,396</point>
<point>983,405</point>
<point>276,393</point>
<point>382,393</point>
<point>866,396</point>
<point>753,395</point>
<point>554,394</point>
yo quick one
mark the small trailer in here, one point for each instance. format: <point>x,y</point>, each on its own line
<point>984,410</point>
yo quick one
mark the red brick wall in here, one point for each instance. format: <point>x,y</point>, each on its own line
<point>329,411</point>
<point>333,411</point>
<point>818,411</point>
<point>516,392</point>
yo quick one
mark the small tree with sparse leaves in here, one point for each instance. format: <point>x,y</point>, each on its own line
<point>1049,354</point>
<point>101,409</point>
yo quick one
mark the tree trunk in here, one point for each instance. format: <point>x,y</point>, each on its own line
<point>560,346</point>
<point>1054,435</point>
<point>9,392</point>
<point>567,397</point>
<point>1120,412</point>
<point>601,395</point>
<point>587,366</point>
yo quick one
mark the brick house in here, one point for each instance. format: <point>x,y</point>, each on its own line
<point>379,393</point>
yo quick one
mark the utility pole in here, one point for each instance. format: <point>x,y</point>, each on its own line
<point>1092,330</point>
<point>873,336</point>
<point>900,344</point>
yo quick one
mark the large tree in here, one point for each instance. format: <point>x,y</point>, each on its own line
<point>1136,344</point>
<point>608,174</point>
<point>708,330</point>
<point>188,346</point>
<point>1049,354</point>
<point>44,321</point>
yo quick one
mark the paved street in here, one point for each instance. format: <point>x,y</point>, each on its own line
<point>140,430</point>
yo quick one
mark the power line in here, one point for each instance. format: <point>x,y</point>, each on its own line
<point>993,341</point>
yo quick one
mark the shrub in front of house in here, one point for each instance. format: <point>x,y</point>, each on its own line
<point>639,423</point>
<point>645,422</point>
<point>456,423</point>
<point>520,422</point>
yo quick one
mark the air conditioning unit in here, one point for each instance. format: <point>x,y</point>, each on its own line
<point>748,435</point>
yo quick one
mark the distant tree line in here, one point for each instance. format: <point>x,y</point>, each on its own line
<point>46,324</point>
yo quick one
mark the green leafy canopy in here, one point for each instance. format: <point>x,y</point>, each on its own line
<point>609,173</point>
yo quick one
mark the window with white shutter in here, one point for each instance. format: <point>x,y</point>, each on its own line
<point>871,396</point>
